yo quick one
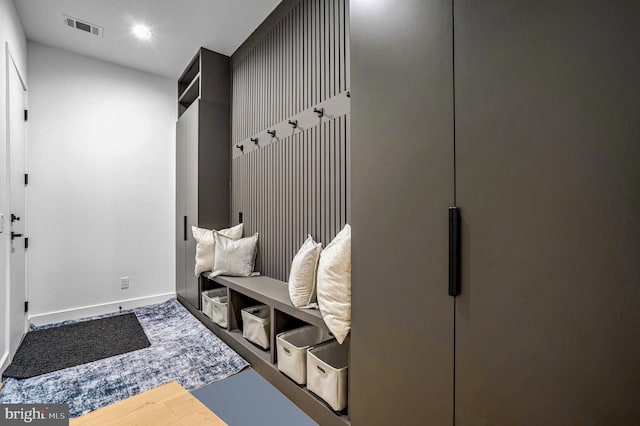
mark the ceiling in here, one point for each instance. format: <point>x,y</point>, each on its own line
<point>179,28</point>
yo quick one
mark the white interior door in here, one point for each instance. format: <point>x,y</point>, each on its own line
<point>16,220</point>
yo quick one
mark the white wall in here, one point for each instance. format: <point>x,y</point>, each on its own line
<point>101,185</point>
<point>10,32</point>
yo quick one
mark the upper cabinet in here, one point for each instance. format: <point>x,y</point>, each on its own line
<point>207,77</point>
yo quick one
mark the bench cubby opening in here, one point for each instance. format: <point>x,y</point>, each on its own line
<point>237,302</point>
<point>285,322</point>
<point>207,284</point>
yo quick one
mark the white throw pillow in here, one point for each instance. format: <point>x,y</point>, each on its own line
<point>334,284</point>
<point>205,246</point>
<point>302,278</point>
<point>234,258</point>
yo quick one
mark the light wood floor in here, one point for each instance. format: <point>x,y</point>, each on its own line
<point>168,404</point>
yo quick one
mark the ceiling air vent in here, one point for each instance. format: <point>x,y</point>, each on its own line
<point>84,26</point>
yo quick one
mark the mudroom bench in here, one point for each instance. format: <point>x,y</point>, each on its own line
<point>244,292</point>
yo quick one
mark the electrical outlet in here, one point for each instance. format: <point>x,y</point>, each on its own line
<point>124,283</point>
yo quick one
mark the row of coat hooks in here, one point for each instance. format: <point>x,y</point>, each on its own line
<point>294,122</point>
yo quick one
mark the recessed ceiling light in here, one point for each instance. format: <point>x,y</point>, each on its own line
<point>141,31</point>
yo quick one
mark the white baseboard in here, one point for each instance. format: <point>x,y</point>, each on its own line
<point>103,308</point>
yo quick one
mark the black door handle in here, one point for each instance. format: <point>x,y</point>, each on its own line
<point>454,251</point>
<point>185,228</point>
<point>14,235</point>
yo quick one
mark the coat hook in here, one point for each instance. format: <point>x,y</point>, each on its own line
<point>240,147</point>
<point>294,123</point>
<point>272,133</point>
<point>254,140</point>
<point>348,93</point>
<point>319,111</point>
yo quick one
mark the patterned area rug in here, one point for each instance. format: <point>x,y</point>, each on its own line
<point>182,349</point>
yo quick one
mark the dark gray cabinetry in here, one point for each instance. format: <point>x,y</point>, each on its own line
<point>548,182</point>
<point>202,162</point>
<point>546,329</point>
<point>402,183</point>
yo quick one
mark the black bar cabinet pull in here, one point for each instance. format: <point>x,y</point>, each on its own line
<point>454,251</point>
<point>185,228</point>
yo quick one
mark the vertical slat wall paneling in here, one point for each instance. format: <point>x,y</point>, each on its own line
<point>292,188</point>
<point>296,183</point>
<point>312,52</point>
<point>279,164</point>
<point>345,72</point>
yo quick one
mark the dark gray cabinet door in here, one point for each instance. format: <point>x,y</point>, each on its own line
<point>187,202</point>
<point>548,182</point>
<point>202,184</point>
<point>401,369</point>
<point>180,209</point>
<point>191,143</point>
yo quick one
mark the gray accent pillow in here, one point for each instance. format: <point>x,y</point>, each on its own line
<point>234,258</point>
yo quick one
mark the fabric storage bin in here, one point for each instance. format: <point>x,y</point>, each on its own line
<point>291,347</point>
<point>327,367</point>
<point>207,298</point>
<point>219,311</point>
<point>256,324</point>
